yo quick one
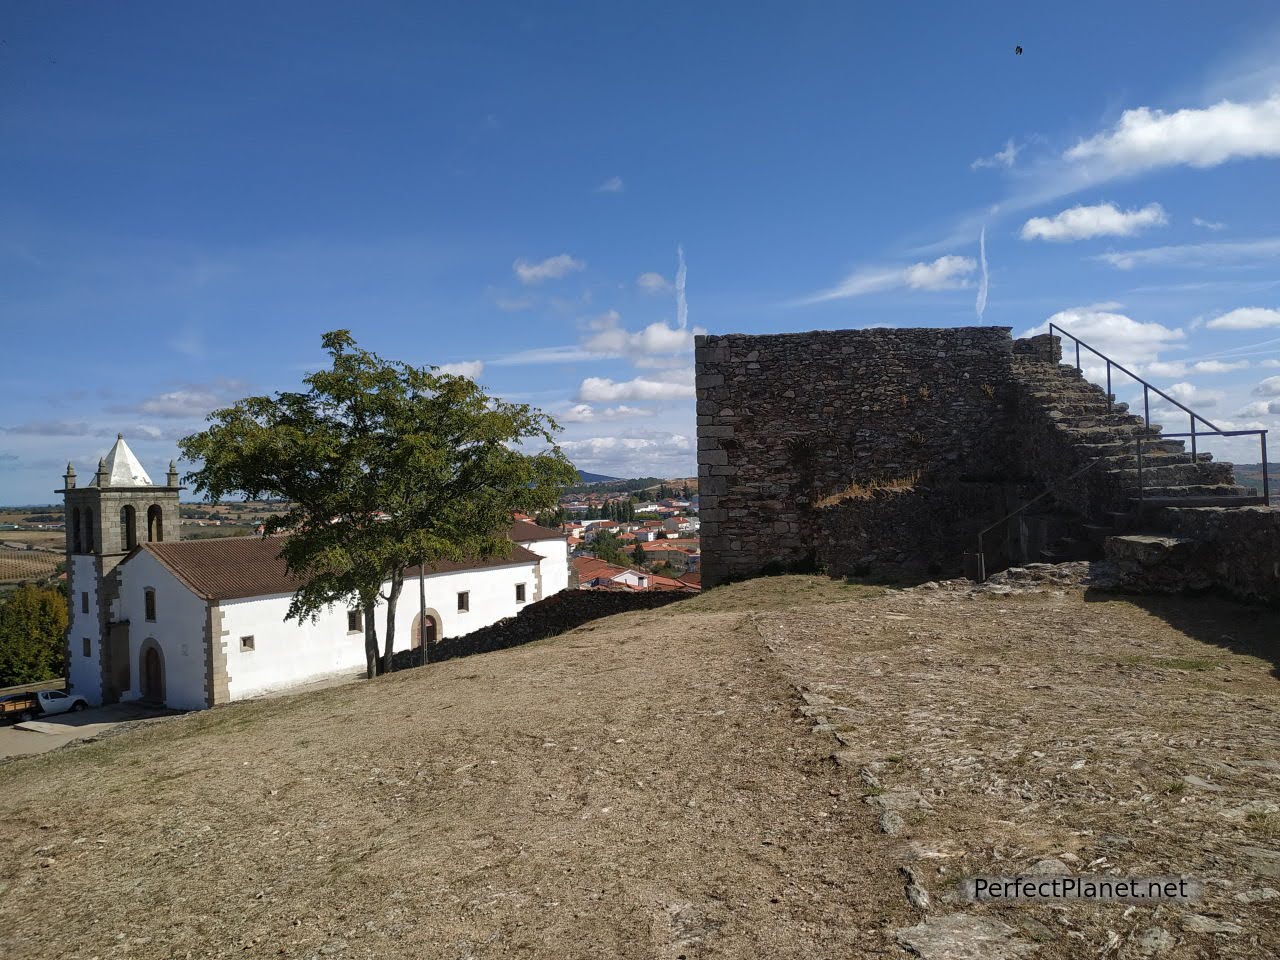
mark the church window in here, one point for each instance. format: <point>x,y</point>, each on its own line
<point>75,530</point>
<point>464,601</point>
<point>84,603</point>
<point>88,647</point>
<point>519,593</point>
<point>88,531</point>
<point>149,596</point>
<point>246,644</point>
<point>355,621</point>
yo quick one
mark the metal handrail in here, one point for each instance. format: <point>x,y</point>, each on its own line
<point>1213,430</point>
<point>1146,387</point>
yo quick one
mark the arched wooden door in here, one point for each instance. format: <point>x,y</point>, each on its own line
<point>428,630</point>
<point>152,674</point>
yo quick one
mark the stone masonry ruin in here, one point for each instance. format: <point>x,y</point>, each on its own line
<point>884,452</point>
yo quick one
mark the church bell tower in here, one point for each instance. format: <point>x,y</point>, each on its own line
<point>120,509</point>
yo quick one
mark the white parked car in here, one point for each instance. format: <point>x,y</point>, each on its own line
<point>55,701</point>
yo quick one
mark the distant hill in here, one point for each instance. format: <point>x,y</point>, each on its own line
<point>1250,475</point>
<point>585,477</point>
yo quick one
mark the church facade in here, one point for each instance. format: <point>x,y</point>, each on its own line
<point>193,624</point>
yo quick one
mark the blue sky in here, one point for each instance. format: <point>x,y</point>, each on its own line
<point>192,195</point>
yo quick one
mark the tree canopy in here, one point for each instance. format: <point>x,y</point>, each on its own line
<point>384,465</point>
<point>33,627</point>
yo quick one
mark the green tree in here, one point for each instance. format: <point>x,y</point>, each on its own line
<point>33,629</point>
<point>637,554</point>
<point>608,547</point>
<point>383,466</point>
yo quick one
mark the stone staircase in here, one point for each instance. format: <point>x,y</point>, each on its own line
<point>1073,430</point>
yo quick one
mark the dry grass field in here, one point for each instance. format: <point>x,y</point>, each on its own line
<point>787,767</point>
<point>19,565</point>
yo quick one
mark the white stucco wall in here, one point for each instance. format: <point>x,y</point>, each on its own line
<point>288,653</point>
<point>554,567</point>
<point>178,629</point>
<point>84,673</point>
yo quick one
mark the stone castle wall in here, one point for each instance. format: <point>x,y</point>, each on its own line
<point>787,420</point>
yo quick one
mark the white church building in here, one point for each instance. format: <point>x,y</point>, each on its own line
<point>196,623</point>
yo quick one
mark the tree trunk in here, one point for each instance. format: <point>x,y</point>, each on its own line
<point>370,638</point>
<point>397,584</point>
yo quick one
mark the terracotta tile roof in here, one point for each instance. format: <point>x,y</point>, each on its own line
<point>525,531</point>
<point>231,568</point>
<point>590,568</point>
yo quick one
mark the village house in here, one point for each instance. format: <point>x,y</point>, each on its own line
<point>594,574</point>
<point>192,624</point>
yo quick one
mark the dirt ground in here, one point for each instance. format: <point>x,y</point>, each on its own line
<point>711,779</point>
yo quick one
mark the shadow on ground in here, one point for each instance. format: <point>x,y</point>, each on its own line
<point>1247,629</point>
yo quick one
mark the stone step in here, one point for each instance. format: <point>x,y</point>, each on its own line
<point>1201,490</point>
<point>1146,549</point>
<point>1151,562</point>
<point>1060,409</point>
<point>1152,448</point>
<point>1151,503</point>
<point>1121,433</point>
<point>1176,475</point>
<point>1130,460</point>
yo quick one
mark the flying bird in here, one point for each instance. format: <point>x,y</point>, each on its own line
<point>1018,50</point>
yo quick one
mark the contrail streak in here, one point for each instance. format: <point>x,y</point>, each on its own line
<point>682,307</point>
<point>981,305</point>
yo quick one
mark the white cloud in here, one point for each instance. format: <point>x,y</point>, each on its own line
<point>1196,254</point>
<point>653,283</point>
<point>945,273</point>
<point>1269,387</point>
<point>1122,338</point>
<point>550,269</point>
<point>1102,220</point>
<point>637,453</point>
<point>1219,366</point>
<point>604,390</point>
<point>612,185</point>
<point>1191,395</point>
<point>1246,318</point>
<point>1260,408</point>
<point>657,339</point>
<point>1005,158</point>
<point>1163,368</point>
<point>51,428</point>
<point>560,354</point>
<point>1208,224</point>
<point>585,413</point>
<point>180,403</point>
<point>467,368</point>
<point>1145,139</point>
<point>1271,363</point>
<point>190,401</point>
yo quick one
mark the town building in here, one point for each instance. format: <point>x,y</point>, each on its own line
<point>193,624</point>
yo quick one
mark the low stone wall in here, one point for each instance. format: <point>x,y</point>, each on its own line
<point>556,614</point>
<point>1233,549</point>
<point>1243,546</point>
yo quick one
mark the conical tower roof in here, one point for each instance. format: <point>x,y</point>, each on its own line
<point>122,468</point>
